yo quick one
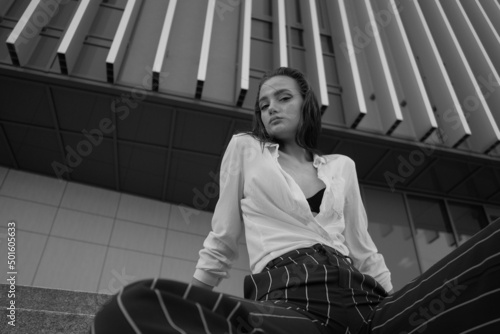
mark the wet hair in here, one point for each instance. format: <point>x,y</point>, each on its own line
<point>309,127</point>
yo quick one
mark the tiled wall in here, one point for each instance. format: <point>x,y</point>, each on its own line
<point>78,237</point>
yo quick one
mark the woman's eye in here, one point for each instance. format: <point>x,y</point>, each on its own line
<point>285,98</point>
<point>263,107</point>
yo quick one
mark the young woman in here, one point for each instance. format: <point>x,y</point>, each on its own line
<point>315,267</point>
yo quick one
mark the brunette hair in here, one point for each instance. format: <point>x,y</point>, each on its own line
<point>310,121</point>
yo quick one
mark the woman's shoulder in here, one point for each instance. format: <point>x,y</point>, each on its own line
<point>240,143</point>
<point>338,159</point>
<point>245,139</point>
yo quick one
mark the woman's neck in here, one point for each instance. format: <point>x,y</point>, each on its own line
<point>293,150</point>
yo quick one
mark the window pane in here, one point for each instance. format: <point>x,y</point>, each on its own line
<point>391,233</point>
<point>262,29</point>
<point>434,235</point>
<point>468,220</point>
<point>262,8</point>
<point>297,39</point>
<point>326,44</point>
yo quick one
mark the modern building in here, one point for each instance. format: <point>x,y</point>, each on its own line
<point>114,116</point>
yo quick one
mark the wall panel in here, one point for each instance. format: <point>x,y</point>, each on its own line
<point>447,109</point>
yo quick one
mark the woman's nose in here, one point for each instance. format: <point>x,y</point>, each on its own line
<point>272,108</point>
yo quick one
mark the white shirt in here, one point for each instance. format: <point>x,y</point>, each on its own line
<point>258,195</point>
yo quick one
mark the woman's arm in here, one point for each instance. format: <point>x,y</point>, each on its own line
<point>361,246</point>
<point>220,248</point>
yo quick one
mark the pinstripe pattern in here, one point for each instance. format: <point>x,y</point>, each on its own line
<point>317,290</point>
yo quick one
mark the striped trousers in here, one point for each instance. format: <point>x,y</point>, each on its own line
<point>317,290</point>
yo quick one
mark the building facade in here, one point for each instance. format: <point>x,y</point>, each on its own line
<point>115,115</point>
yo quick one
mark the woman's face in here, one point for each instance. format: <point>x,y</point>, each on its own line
<point>280,103</point>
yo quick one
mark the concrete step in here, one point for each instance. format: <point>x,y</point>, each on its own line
<point>44,310</point>
<point>46,322</point>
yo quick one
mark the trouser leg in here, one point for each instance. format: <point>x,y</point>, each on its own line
<point>166,306</point>
<point>459,294</point>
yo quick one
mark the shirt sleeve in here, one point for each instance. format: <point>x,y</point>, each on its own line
<point>361,246</point>
<point>220,248</point>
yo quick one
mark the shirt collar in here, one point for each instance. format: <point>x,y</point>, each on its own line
<point>274,147</point>
<point>318,160</point>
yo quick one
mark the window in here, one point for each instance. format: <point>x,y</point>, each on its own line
<point>468,220</point>
<point>434,235</point>
<point>390,230</point>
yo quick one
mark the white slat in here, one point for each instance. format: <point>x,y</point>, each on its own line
<point>314,52</point>
<point>243,74</point>
<point>279,33</point>
<point>162,44</point>
<point>492,9</point>
<point>25,36</point>
<point>451,120</point>
<point>73,39</point>
<point>383,85</point>
<point>353,97</point>
<point>414,97</point>
<point>479,66</point>
<point>120,41</point>
<point>483,135</point>
<point>485,30</point>
<point>205,48</point>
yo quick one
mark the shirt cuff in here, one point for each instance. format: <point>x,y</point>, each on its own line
<point>207,277</point>
<point>386,284</point>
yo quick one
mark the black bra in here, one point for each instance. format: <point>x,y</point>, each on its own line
<point>315,200</point>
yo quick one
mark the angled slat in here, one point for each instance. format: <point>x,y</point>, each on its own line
<point>279,33</point>
<point>24,37</point>
<point>383,85</point>
<point>353,97</point>
<point>314,52</point>
<point>243,73</point>
<point>485,30</point>
<point>484,135</point>
<point>205,48</point>
<point>415,97</point>
<point>72,41</point>
<point>492,9</point>
<point>4,7</point>
<point>451,120</point>
<point>162,44</point>
<point>120,41</point>
<point>479,67</point>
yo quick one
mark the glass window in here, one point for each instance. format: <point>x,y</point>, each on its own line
<point>261,8</point>
<point>326,44</point>
<point>391,234</point>
<point>262,29</point>
<point>434,236</point>
<point>468,220</point>
<point>297,38</point>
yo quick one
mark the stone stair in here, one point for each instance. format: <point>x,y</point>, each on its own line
<point>49,311</point>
